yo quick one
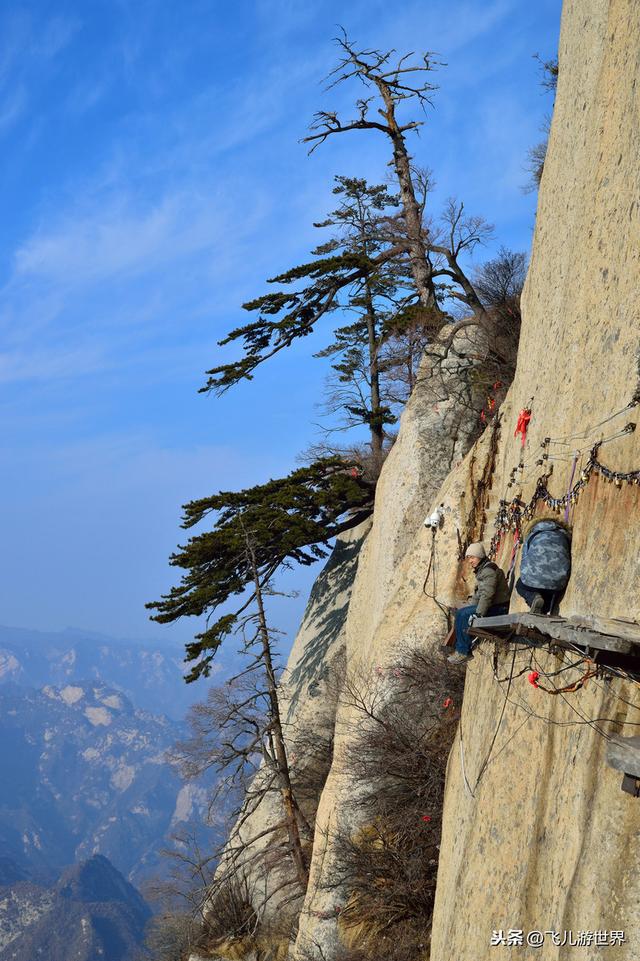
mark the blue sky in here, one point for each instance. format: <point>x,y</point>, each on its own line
<point>152,179</point>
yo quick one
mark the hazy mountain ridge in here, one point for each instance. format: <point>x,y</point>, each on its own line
<point>90,914</point>
<point>151,674</point>
<point>86,772</point>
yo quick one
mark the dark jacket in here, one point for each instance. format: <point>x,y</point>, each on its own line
<point>491,587</point>
<point>546,556</point>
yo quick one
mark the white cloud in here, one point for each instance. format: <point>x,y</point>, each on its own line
<point>53,37</point>
<point>103,243</point>
<point>49,365</point>
<point>105,286</point>
<point>85,96</point>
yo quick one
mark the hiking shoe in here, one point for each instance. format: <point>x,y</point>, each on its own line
<point>537,604</point>
<point>458,658</point>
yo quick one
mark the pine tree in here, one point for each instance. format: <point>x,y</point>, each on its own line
<point>359,228</point>
<point>341,270</point>
<point>290,519</point>
<point>429,252</point>
<point>255,532</point>
<point>392,85</point>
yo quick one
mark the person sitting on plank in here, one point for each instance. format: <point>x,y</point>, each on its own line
<point>491,597</point>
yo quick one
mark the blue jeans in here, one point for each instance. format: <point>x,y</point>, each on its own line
<point>528,593</point>
<point>463,638</point>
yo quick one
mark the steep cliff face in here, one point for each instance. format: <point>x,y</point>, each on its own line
<point>438,426</point>
<point>536,834</point>
<point>391,612</point>
<point>546,839</point>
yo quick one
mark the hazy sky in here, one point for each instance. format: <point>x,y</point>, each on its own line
<point>152,179</point>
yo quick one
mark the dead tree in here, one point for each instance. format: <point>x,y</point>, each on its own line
<point>239,731</point>
<point>274,747</point>
<point>393,83</point>
<point>435,248</point>
<point>228,892</point>
<point>536,155</point>
<point>410,244</point>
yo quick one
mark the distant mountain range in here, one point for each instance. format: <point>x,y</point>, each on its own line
<point>86,722</point>
<point>85,772</point>
<point>151,675</point>
<point>90,914</point>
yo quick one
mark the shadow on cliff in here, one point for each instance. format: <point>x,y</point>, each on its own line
<point>324,619</point>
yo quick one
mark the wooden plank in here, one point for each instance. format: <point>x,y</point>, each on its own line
<point>450,639</point>
<point>623,754</point>
<point>581,637</point>
<point>539,626</point>
<point>614,627</point>
<point>563,630</point>
<point>481,632</point>
<point>504,623</point>
<point>500,621</point>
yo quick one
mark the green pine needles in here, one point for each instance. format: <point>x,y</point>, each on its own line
<point>287,520</point>
<point>356,254</point>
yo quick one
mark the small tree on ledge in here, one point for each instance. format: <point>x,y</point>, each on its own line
<point>287,520</point>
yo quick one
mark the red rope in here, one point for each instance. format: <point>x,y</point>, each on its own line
<point>569,689</point>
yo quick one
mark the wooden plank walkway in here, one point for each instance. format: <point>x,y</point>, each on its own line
<point>613,641</point>
<point>623,754</point>
<point>601,634</point>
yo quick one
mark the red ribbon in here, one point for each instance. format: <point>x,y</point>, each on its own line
<point>523,422</point>
<point>447,702</point>
<point>533,678</point>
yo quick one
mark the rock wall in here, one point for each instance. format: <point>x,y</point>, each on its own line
<point>350,615</point>
<point>390,611</point>
<point>547,840</point>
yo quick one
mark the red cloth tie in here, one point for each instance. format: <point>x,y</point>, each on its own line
<point>523,422</point>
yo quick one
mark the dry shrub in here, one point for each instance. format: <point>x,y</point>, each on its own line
<point>310,755</point>
<point>397,758</point>
<point>169,936</point>
<point>233,930</point>
<point>230,922</point>
<point>313,951</point>
<point>275,938</point>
